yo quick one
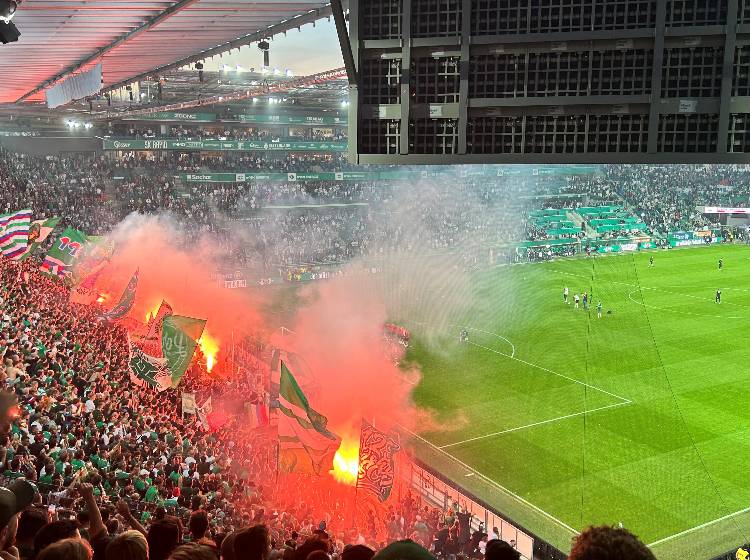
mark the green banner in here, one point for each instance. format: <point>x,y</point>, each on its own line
<point>222,145</point>
<point>248,177</point>
<point>292,119</point>
<point>126,301</point>
<point>64,252</point>
<point>178,341</point>
<point>173,116</point>
<point>401,175</point>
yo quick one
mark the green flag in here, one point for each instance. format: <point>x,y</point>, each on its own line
<point>64,253</point>
<point>126,301</point>
<point>179,337</point>
<point>306,444</point>
<point>147,371</point>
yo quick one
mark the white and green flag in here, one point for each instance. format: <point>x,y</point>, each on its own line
<point>148,371</point>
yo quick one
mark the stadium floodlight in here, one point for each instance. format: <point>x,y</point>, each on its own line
<point>240,69</point>
<point>255,99</point>
<point>264,47</point>
<point>276,72</point>
<point>289,73</point>
<point>264,70</point>
<point>7,10</point>
<point>226,68</point>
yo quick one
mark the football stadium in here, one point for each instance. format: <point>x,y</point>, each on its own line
<point>374,279</point>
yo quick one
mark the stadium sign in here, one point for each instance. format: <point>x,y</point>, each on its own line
<point>291,119</point>
<point>245,177</point>
<point>686,238</point>
<point>723,210</point>
<point>401,175</point>
<point>168,116</point>
<point>222,146</point>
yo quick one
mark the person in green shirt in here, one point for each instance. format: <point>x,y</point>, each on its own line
<point>78,463</point>
<point>151,494</point>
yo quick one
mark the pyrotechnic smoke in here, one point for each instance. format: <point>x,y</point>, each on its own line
<point>420,283</point>
<point>179,273</point>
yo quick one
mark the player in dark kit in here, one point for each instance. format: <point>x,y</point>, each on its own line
<point>463,336</point>
<point>718,296</point>
<point>651,261</point>
<point>721,264</point>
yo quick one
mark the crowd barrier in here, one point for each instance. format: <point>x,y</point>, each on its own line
<point>440,492</point>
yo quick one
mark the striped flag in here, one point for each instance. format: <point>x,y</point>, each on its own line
<point>14,233</point>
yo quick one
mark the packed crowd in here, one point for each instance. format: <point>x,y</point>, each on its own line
<point>667,197</point>
<point>228,133</point>
<point>119,474</point>
<point>369,219</point>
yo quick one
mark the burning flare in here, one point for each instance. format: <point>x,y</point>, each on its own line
<point>346,463</point>
<point>151,313</point>
<point>210,348</point>
<point>102,298</point>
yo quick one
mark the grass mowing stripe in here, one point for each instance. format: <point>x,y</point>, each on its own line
<point>656,465</point>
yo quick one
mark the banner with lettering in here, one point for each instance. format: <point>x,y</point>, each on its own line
<point>222,145</point>
<point>64,252</point>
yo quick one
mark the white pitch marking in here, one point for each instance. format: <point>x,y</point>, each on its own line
<point>495,484</point>
<point>501,337</point>
<point>663,288</point>
<point>625,401</point>
<point>512,346</point>
<point>509,430</point>
<point>697,527</point>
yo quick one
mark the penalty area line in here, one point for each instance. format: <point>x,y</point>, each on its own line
<point>574,380</point>
<point>541,423</point>
<point>495,484</point>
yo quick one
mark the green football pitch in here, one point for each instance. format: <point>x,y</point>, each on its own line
<point>561,419</point>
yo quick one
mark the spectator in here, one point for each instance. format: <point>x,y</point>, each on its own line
<point>54,532</point>
<point>130,545</point>
<point>30,521</point>
<point>193,551</point>
<point>67,549</point>
<point>608,543</point>
<point>252,544</point>
<point>500,550</point>
<point>163,537</point>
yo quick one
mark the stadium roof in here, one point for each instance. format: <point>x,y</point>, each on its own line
<point>134,37</point>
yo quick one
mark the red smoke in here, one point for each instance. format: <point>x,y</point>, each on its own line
<point>181,275</point>
<point>340,335</point>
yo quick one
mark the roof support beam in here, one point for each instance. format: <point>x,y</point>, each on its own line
<point>297,21</point>
<point>282,87</point>
<point>346,45</point>
<point>173,9</point>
